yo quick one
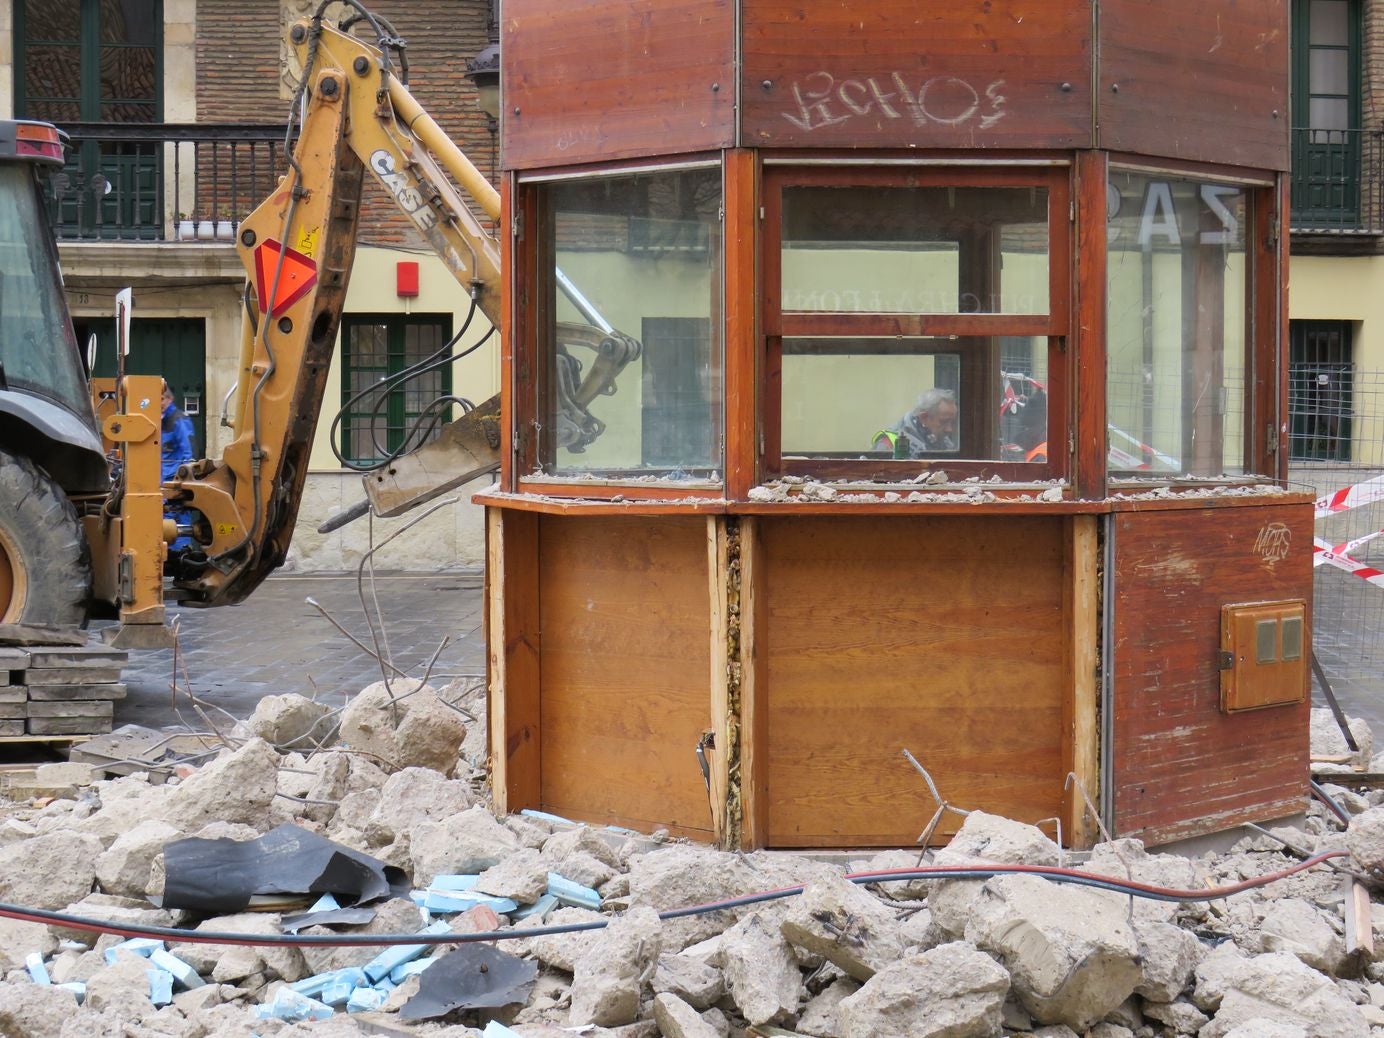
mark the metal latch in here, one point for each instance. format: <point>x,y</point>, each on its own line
<point>706,742</point>
<point>1226,660</point>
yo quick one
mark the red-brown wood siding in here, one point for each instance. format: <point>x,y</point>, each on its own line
<point>1194,80</point>
<point>899,74</point>
<point>1181,766</point>
<point>586,80</point>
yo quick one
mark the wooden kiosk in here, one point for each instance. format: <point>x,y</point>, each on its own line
<point>743,239</point>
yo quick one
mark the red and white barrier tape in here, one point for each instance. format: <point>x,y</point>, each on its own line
<point>1346,498</point>
<point>1324,555</point>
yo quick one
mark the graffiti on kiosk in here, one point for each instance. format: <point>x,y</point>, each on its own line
<point>404,187</point>
<point>823,100</point>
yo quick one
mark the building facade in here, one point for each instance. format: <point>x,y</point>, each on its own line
<point>177,113</point>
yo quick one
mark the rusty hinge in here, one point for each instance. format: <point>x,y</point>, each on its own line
<point>516,225</point>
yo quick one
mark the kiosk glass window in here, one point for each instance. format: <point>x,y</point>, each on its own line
<point>1178,280</point>
<point>919,315</point>
<point>631,349</point>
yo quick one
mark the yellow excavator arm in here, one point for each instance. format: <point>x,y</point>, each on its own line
<point>297,248</point>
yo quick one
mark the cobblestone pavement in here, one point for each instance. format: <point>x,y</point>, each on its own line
<point>277,642</point>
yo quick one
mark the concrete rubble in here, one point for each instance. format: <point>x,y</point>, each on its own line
<point>1009,954</point>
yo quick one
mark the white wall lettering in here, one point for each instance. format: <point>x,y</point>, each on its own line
<point>820,99</point>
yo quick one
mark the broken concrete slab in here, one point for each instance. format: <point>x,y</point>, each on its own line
<point>846,925</point>
<point>1278,986</point>
<point>692,980</point>
<point>404,723</point>
<point>1328,742</point>
<point>414,795</point>
<point>682,875</point>
<point>983,838</point>
<point>291,721</point>
<point>49,871</point>
<point>1296,926</point>
<point>761,973</point>
<point>610,978</point>
<point>35,1010</point>
<point>469,842</point>
<point>124,867</point>
<point>237,786</point>
<point>1070,950</point>
<point>522,877</point>
<point>677,1019</point>
<point>951,991</point>
<point>1168,955</point>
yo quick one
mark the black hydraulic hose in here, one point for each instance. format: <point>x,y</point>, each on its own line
<point>1055,874</point>
<point>1319,791</point>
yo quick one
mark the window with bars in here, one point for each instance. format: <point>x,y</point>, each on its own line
<point>395,417</point>
<point>1321,382</point>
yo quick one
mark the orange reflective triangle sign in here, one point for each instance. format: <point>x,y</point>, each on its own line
<point>296,276</point>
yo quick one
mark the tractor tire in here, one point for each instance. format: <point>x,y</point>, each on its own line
<point>45,564</point>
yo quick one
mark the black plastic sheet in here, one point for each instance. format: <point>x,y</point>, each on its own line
<point>217,877</point>
<point>475,976</point>
<point>332,917</point>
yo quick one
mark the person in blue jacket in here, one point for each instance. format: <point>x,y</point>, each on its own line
<point>176,437</point>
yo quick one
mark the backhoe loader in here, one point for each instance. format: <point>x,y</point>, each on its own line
<point>83,533</point>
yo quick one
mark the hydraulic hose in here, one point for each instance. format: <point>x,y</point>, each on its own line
<point>936,872</point>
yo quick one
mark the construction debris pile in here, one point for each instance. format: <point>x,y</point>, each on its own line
<point>370,821</point>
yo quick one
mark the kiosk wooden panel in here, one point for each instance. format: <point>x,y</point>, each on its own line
<point>899,74</point>
<point>1216,72</point>
<point>941,636</point>
<point>608,79</point>
<point>1182,766</point>
<point>624,613</point>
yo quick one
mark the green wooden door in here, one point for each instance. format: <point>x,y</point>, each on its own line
<point>1327,133</point>
<point>174,347</point>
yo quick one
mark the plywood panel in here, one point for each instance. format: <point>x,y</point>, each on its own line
<point>625,616</point>
<point>1181,766</point>
<point>1195,80</point>
<point>586,80</point>
<point>942,636</point>
<point>897,73</point>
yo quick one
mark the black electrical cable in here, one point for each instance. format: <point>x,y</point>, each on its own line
<point>933,872</point>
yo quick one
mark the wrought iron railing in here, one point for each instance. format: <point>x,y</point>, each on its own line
<point>162,181</point>
<point>1337,177</point>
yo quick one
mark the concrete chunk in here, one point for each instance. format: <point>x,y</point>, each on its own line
<point>760,970</point>
<point>609,981</point>
<point>1070,950</point>
<point>951,991</point>
<point>691,980</point>
<point>677,1019</point>
<point>846,925</point>
<point>1280,987</point>
<point>49,871</point>
<point>983,838</point>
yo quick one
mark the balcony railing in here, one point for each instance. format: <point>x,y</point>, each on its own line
<point>1337,182</point>
<point>162,181</point>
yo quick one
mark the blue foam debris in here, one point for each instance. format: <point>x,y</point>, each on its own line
<point>574,894</point>
<point>351,976</point>
<point>448,901</point>
<point>183,973</point>
<point>33,962</point>
<point>160,986</point>
<point>495,1029</point>
<point>76,987</point>
<point>337,992</point>
<point>363,1000</point>
<point>401,973</point>
<point>290,1006</point>
<point>454,881</point>
<point>540,908</point>
<point>545,817</point>
<point>391,958</point>
<point>325,903</point>
<point>141,946</point>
